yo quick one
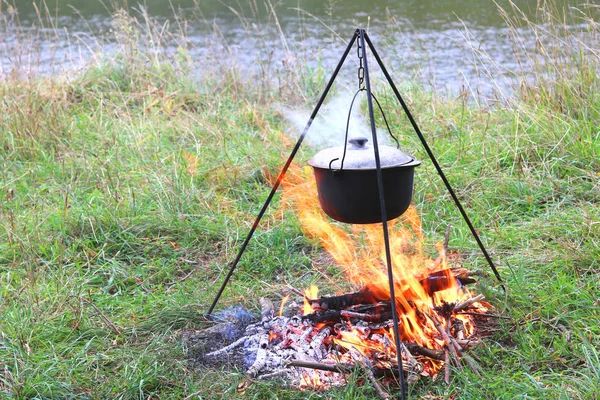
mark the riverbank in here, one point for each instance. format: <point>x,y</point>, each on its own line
<point>128,188</point>
<point>449,48</point>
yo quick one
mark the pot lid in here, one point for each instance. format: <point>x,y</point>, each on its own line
<point>359,155</point>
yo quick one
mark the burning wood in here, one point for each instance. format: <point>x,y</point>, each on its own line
<point>339,368</point>
<point>468,302</point>
<point>348,332</point>
<point>336,335</point>
<point>365,296</point>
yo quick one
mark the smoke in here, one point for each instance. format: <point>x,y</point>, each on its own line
<point>329,127</point>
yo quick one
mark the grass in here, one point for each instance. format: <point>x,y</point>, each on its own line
<point>127,189</point>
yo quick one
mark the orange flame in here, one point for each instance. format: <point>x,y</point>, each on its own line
<point>311,293</point>
<point>310,380</point>
<point>283,301</point>
<point>359,252</point>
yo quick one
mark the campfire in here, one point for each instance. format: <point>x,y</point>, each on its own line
<point>409,315</point>
<point>319,340</point>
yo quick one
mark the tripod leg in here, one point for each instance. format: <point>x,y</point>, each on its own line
<point>386,237</point>
<point>434,161</point>
<point>282,174</point>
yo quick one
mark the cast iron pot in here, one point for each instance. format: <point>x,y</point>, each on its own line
<point>347,183</point>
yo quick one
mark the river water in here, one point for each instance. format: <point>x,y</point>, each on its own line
<point>451,46</point>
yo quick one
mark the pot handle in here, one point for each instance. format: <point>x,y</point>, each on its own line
<point>386,121</point>
<point>348,126</point>
<point>331,162</point>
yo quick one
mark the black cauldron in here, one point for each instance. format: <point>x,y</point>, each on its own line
<point>347,181</point>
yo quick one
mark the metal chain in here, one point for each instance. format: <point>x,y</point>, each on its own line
<point>361,68</point>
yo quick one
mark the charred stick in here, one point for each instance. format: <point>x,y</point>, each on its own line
<point>472,364</point>
<point>363,331</point>
<point>339,368</point>
<point>325,316</point>
<point>361,359</point>
<point>378,317</point>
<point>261,356</point>
<point>458,347</point>
<point>465,280</point>
<point>468,344</point>
<point>435,281</point>
<point>379,306</point>
<point>413,367</point>
<point>460,272</point>
<point>380,391</point>
<point>463,276</point>
<point>343,301</point>
<point>424,351</point>
<point>446,340</point>
<point>412,362</point>
<point>440,280</point>
<point>225,349</point>
<point>337,315</point>
<point>452,339</point>
<point>447,325</point>
<point>467,303</point>
<point>458,329</point>
<point>387,344</point>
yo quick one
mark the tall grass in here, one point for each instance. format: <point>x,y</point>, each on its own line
<point>127,187</point>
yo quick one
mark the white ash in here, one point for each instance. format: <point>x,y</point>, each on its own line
<point>307,353</point>
<point>297,339</point>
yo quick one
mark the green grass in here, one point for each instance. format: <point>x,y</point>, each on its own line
<point>127,189</point>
